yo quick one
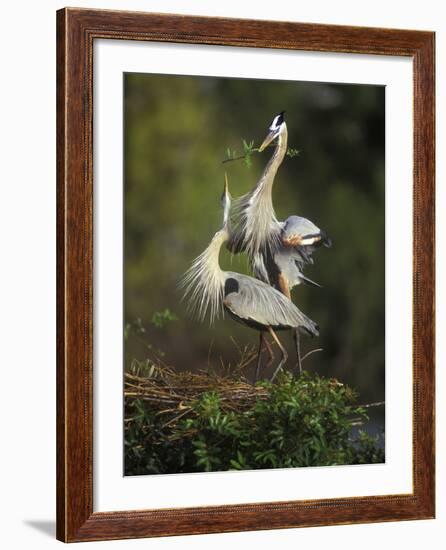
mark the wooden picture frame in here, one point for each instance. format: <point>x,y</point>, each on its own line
<point>76,31</point>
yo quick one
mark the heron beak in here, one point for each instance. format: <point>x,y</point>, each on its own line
<point>226,194</point>
<point>269,138</point>
<point>226,202</point>
<point>226,189</point>
<point>326,241</point>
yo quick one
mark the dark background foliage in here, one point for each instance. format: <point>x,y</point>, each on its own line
<point>177,130</point>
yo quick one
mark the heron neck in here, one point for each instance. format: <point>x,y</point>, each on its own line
<point>204,281</point>
<point>212,253</point>
<point>261,224</point>
<point>267,179</point>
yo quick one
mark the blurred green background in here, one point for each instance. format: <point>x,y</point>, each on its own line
<point>177,131</point>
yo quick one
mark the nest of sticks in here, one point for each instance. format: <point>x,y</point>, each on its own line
<point>171,393</point>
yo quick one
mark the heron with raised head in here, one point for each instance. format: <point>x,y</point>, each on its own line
<point>277,250</point>
<point>249,301</point>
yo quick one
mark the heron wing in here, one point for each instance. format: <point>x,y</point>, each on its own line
<point>299,231</point>
<point>303,237</point>
<point>256,301</point>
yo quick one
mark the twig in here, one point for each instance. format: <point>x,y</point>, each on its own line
<point>234,341</point>
<point>175,418</point>
<point>236,158</point>
<point>209,353</point>
<point>311,353</point>
<point>376,404</point>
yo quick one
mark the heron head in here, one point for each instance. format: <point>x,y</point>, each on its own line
<point>226,202</point>
<point>276,128</point>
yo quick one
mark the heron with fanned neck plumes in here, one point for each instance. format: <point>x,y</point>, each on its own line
<point>249,301</point>
<point>277,250</point>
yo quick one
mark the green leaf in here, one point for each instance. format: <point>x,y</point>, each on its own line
<point>161,318</point>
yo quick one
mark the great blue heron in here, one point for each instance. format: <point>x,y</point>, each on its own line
<point>277,250</point>
<point>247,300</point>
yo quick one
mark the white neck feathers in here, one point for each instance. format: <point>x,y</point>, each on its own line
<point>258,223</point>
<point>204,281</point>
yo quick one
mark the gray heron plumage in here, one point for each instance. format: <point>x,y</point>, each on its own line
<point>277,250</point>
<point>250,301</point>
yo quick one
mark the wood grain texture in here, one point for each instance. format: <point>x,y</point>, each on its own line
<point>76,31</point>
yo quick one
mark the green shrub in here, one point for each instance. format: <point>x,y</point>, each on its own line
<point>297,421</point>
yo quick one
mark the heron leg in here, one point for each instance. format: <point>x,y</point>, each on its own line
<point>270,352</point>
<point>259,355</point>
<point>297,345</point>
<point>282,349</point>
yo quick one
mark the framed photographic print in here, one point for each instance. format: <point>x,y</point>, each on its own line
<point>245,275</point>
